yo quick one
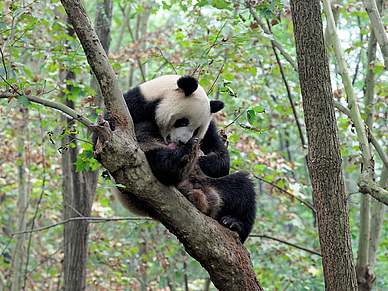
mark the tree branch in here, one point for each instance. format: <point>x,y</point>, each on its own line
<point>56,105</point>
<point>314,252</point>
<point>303,202</point>
<point>378,28</point>
<point>379,149</point>
<point>272,37</point>
<point>368,186</point>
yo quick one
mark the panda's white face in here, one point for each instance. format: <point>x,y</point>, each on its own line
<point>179,117</point>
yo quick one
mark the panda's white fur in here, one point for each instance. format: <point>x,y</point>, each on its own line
<point>175,105</point>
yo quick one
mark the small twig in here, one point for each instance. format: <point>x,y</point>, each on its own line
<point>4,65</point>
<point>234,120</point>
<point>314,252</point>
<point>8,84</point>
<point>162,55</point>
<point>272,37</point>
<point>215,81</point>
<point>308,204</point>
<point>207,51</point>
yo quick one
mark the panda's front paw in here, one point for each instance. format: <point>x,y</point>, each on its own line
<point>191,150</point>
<point>232,223</point>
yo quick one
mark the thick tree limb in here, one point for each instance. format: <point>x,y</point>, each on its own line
<point>217,249</point>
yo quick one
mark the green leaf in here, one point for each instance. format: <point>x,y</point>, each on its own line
<point>23,100</point>
<point>3,25</point>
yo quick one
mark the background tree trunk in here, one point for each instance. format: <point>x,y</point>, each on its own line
<point>324,158</point>
<point>78,192</point>
<point>79,188</point>
<point>22,204</point>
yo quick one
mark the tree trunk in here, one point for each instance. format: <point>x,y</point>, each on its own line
<point>22,204</point>
<point>365,282</point>
<point>78,192</point>
<point>324,158</point>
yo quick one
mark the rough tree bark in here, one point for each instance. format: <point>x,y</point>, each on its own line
<point>217,249</point>
<point>324,156</point>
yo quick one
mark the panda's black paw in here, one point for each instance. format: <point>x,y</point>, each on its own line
<point>232,223</point>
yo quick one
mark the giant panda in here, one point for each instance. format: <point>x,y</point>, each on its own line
<point>172,118</point>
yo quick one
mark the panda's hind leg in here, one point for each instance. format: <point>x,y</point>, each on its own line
<point>206,199</point>
<point>234,224</point>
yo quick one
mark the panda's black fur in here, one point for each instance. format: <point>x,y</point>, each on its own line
<point>228,198</point>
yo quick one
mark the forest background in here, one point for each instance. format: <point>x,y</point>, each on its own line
<point>230,50</point>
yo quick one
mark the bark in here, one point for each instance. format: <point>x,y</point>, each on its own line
<point>324,156</point>
<point>102,27</point>
<point>217,249</point>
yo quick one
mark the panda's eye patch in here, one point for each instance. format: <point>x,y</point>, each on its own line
<point>196,132</point>
<point>181,122</point>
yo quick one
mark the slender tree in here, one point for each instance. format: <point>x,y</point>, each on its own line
<point>19,253</point>
<point>324,158</point>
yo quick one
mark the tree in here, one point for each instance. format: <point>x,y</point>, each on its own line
<point>230,271</point>
<point>325,163</point>
<point>229,48</point>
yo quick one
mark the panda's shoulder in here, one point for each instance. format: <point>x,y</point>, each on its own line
<point>139,107</point>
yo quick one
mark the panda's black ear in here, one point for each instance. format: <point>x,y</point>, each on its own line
<point>216,106</point>
<point>188,84</point>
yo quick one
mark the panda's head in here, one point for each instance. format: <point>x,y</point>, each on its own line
<point>184,110</point>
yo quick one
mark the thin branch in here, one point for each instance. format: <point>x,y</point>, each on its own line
<point>272,37</point>
<point>359,55</point>
<point>49,103</point>
<point>89,219</point>
<point>207,51</point>
<point>167,61</point>
<point>4,65</point>
<point>379,149</point>
<point>351,97</point>
<point>303,202</point>
<point>301,136</point>
<point>314,252</point>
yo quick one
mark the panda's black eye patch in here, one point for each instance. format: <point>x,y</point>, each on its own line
<point>181,122</point>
